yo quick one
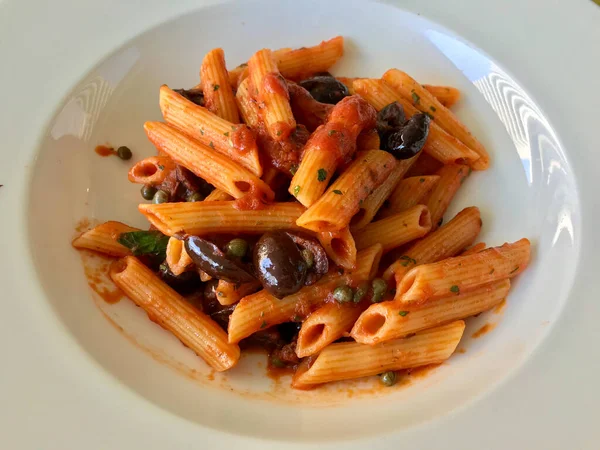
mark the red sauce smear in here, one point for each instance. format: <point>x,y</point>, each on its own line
<point>484,330</point>
<point>306,109</point>
<point>274,83</point>
<point>499,309</point>
<point>104,150</point>
<point>243,139</point>
<point>98,278</point>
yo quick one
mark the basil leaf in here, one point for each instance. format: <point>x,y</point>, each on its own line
<point>145,243</point>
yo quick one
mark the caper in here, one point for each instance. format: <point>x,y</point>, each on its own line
<point>360,292</point>
<point>148,191</point>
<point>160,197</point>
<point>124,153</point>
<point>309,258</point>
<point>388,378</point>
<point>343,294</point>
<point>195,197</point>
<point>236,248</point>
<point>379,287</point>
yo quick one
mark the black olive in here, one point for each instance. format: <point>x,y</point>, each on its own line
<point>183,284</point>
<point>325,89</point>
<point>409,140</point>
<point>323,74</point>
<point>279,264</point>
<point>193,95</point>
<point>390,119</point>
<point>208,257</point>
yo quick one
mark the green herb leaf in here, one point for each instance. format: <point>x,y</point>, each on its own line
<point>432,108</point>
<point>296,191</point>
<point>429,115</point>
<point>294,169</point>
<point>403,313</point>
<point>321,175</point>
<point>226,133</point>
<point>492,271</point>
<point>145,242</point>
<point>421,180</point>
<point>337,191</point>
<point>263,324</point>
<point>276,362</point>
<point>406,260</point>
<point>514,270</point>
<point>455,289</point>
<point>415,97</point>
<point>211,145</point>
<point>161,167</point>
<point>332,132</point>
<point>216,87</point>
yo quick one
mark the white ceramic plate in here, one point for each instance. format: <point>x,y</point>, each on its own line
<point>84,75</point>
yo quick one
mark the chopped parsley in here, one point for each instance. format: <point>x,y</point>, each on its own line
<point>211,145</point>
<point>403,313</point>
<point>415,97</point>
<point>220,293</point>
<point>455,289</point>
<point>296,318</point>
<point>321,175</point>
<point>294,169</point>
<point>429,115</point>
<point>406,260</point>
<point>201,131</point>
<point>161,167</point>
<point>432,108</point>
<point>492,271</point>
<point>263,324</point>
<point>332,132</point>
<point>514,270</point>
<point>296,191</point>
<point>278,133</point>
<point>226,133</point>
<point>216,87</point>
<point>337,191</point>
<point>421,180</point>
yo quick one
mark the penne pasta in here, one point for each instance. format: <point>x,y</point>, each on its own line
<point>408,193</point>
<point>270,89</point>
<point>329,146</point>
<point>262,310</point>
<point>229,293</point>
<point>425,165</point>
<point>218,94</point>
<point>463,273</point>
<point>340,247</point>
<point>344,196</point>
<point>151,171</point>
<point>476,248</point>
<point>443,243</point>
<point>104,239</point>
<point>368,140</point>
<point>446,95</point>
<point>326,325</point>
<point>177,258</point>
<point>218,195</point>
<point>441,145</point>
<point>395,230</point>
<point>423,100</point>
<point>202,160</point>
<point>369,208</point>
<point>451,177</point>
<point>202,218</point>
<point>227,138</point>
<point>247,105</point>
<point>391,320</point>
<point>204,277</point>
<point>168,309</point>
<point>347,360</point>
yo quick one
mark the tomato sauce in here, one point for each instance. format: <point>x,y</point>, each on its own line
<point>484,330</point>
<point>243,139</point>
<point>104,151</point>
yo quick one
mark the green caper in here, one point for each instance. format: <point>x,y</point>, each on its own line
<point>379,287</point>
<point>343,294</point>
<point>388,378</point>
<point>236,248</point>
<point>160,197</point>
<point>276,362</point>
<point>309,258</point>
<point>360,292</point>
<point>195,197</point>
<point>124,153</point>
<point>148,191</point>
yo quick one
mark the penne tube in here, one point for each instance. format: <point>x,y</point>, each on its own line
<point>217,195</point>
<point>262,310</point>
<point>451,178</point>
<point>462,274</point>
<point>425,165</point>
<point>369,208</point>
<point>247,105</point>
<point>202,218</point>
<point>271,91</point>
<point>104,239</point>
<point>408,193</point>
<point>368,140</point>
<point>218,94</point>
<point>446,95</point>
<point>391,320</point>
<point>177,258</point>
<point>340,247</point>
<point>347,81</point>
<point>395,230</point>
<point>229,293</point>
<point>474,249</point>
<point>326,325</point>
<point>329,146</point>
<point>235,141</point>
<point>368,171</point>
<point>151,171</point>
<point>443,243</point>
<point>347,360</point>
<point>168,309</point>
<point>423,100</point>
<point>216,168</point>
<point>204,277</point>
<point>441,145</point>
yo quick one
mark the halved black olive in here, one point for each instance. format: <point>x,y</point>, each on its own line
<point>280,267</point>
<point>390,119</point>
<point>193,95</point>
<point>208,257</point>
<point>325,89</point>
<point>183,284</point>
<point>409,140</point>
